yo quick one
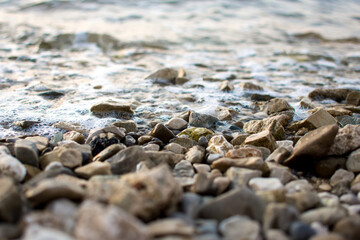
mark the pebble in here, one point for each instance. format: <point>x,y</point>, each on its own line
<point>176,124</point>
<point>240,227</point>
<point>314,145</point>
<point>244,152</point>
<point>170,227</point>
<point>262,139</point>
<point>40,142</point>
<point>111,107</point>
<point>10,166</point>
<point>126,160</point>
<point>240,201</point>
<point>74,136</point>
<point>301,231</point>
<point>277,105</point>
<point>195,154</point>
<point>50,189</point>
<point>342,177</point>
<point>271,124</point>
<point>11,203</point>
<point>94,220</point>
<point>27,153</point>
<point>93,169</point>
<point>334,94</point>
<point>348,227</point>
<point>223,164</point>
<point>226,86</point>
<point>353,161</point>
<point>202,120</point>
<point>240,177</point>
<point>325,215</point>
<point>346,140</point>
<point>175,148</point>
<point>219,145</point>
<point>265,184</point>
<point>128,125</point>
<point>162,132</point>
<point>280,216</point>
<point>109,152</point>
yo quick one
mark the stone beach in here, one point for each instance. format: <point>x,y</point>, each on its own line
<point>162,120</point>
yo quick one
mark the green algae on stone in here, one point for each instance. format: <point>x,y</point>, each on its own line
<point>195,133</point>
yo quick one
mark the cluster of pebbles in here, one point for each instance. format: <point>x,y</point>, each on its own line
<point>270,178</point>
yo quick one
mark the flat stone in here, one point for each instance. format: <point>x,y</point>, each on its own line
<point>353,161</point>
<point>93,169</point>
<point>50,189</point>
<point>328,199</point>
<point>109,152</point>
<point>128,125</point>
<point>219,145</point>
<point>96,221</point>
<point>262,139</point>
<point>170,227</point>
<point>320,118</point>
<point>240,227</point>
<point>10,201</point>
<point>251,163</point>
<point>195,154</point>
<point>265,184</point>
<point>27,153</point>
<point>126,160</point>
<point>10,166</point>
<point>346,140</point>
<point>240,177</point>
<point>240,201</point>
<point>163,133</point>
<point>314,145</point>
<point>111,107</point>
<point>325,215</point>
<point>176,123</point>
<point>334,94</point>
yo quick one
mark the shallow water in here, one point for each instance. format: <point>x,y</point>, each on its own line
<point>286,47</point>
